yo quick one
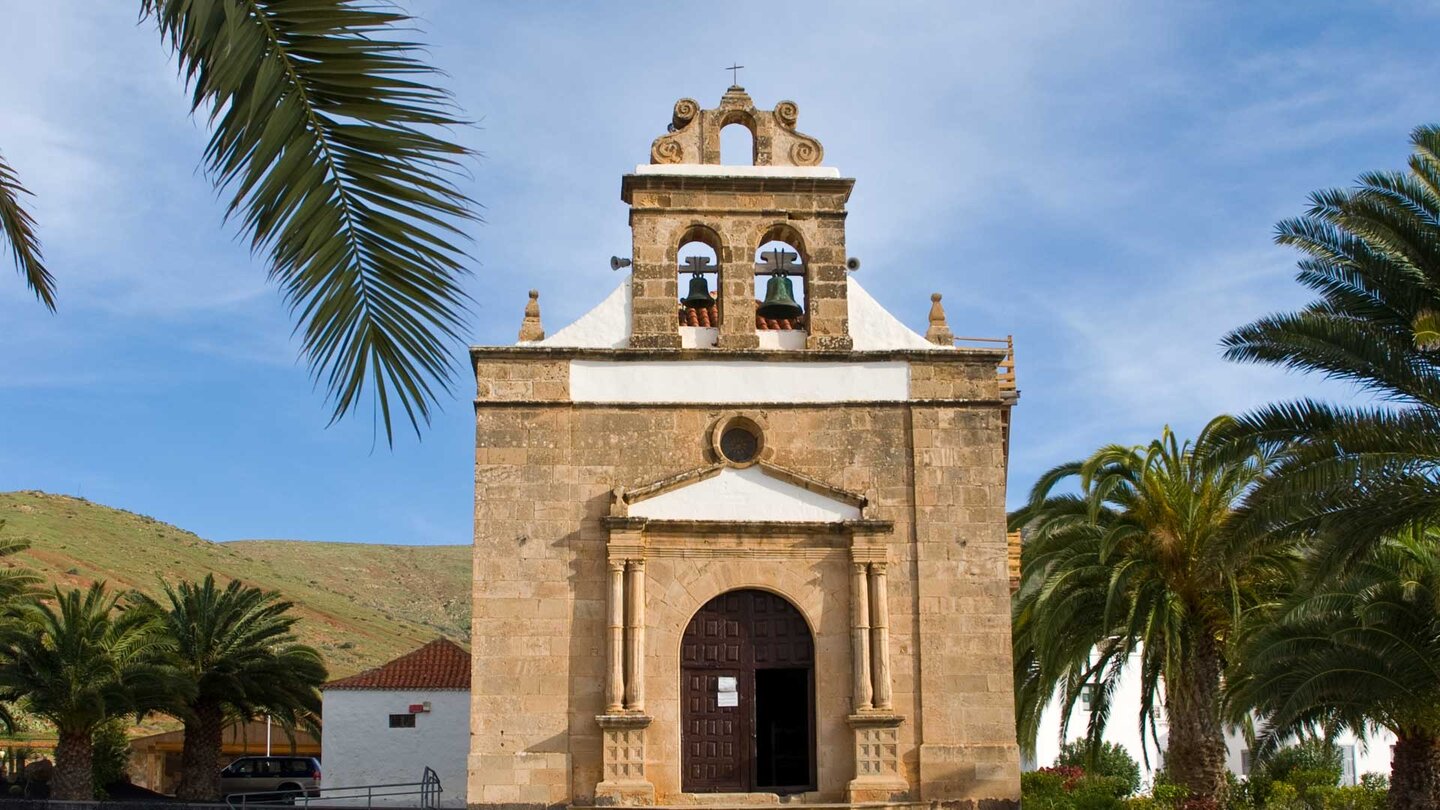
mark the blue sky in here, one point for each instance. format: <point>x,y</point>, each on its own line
<point>1099,179</point>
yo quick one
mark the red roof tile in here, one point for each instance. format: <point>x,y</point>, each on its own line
<point>710,316</point>
<point>441,664</point>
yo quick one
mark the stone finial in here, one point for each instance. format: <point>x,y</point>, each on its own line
<point>939,332</point>
<point>530,328</point>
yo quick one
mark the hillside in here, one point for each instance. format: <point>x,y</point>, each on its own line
<point>360,604</point>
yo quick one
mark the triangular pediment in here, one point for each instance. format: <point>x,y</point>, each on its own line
<point>758,493</point>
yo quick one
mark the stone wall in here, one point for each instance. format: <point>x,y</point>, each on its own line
<point>735,217</point>
<point>933,467</point>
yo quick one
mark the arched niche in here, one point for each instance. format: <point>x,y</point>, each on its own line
<point>781,247</point>
<point>738,143</point>
<point>698,255</point>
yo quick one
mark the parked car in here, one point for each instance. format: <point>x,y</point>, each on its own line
<point>285,777</point>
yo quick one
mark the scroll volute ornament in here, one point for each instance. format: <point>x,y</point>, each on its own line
<point>777,141</point>
<point>682,144</point>
<point>789,144</point>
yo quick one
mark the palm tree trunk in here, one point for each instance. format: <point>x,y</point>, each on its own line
<point>200,755</point>
<point>1195,754</point>
<point>74,755</point>
<point>1415,772</point>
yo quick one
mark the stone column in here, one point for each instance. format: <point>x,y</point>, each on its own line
<point>615,641</point>
<point>880,635</point>
<point>635,637</point>
<point>860,630</point>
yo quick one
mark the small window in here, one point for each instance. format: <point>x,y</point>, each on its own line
<point>298,767</point>
<point>1246,761</point>
<point>1347,765</point>
<point>1087,696</point>
<point>739,441</point>
<point>402,721</point>
<point>739,445</point>
<point>242,767</point>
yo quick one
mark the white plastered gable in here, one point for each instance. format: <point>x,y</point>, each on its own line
<point>607,326</point>
<point>758,493</point>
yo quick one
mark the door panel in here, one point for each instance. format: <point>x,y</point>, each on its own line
<point>716,737</point>
<point>753,637</point>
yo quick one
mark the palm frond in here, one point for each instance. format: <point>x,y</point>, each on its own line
<point>324,127</point>
<point>17,228</point>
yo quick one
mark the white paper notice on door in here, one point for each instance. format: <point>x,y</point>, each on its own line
<point>726,692</point>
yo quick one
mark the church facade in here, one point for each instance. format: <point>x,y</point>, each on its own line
<point>740,533</point>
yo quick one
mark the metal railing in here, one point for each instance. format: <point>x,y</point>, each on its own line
<point>428,790</point>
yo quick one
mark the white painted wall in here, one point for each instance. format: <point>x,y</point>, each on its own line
<point>1123,729</point>
<point>358,747</point>
<point>744,494</point>
<point>737,381</point>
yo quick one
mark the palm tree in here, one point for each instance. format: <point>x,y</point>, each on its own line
<point>1140,563</point>
<point>323,127</point>
<point>77,663</point>
<point>1373,256</point>
<point>236,648</point>
<point>17,586</point>
<point>1356,651</point>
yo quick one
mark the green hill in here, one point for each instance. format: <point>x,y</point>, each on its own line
<point>360,604</point>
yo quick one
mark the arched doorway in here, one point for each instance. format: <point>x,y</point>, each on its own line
<point>747,669</point>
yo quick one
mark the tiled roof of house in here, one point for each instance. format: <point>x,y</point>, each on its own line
<point>441,664</point>
<point>710,316</point>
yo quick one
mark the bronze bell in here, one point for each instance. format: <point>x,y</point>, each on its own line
<point>779,301</point>
<point>699,296</point>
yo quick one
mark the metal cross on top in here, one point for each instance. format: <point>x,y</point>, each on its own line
<point>698,264</point>
<point>777,262</point>
<point>735,73</point>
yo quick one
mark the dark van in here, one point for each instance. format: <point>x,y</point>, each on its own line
<point>286,777</point>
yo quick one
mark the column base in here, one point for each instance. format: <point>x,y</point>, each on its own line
<point>877,759</point>
<point>623,761</point>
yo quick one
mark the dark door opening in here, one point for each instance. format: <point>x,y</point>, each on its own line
<point>782,728</point>
<point>747,697</point>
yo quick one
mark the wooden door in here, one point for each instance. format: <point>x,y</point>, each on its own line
<point>732,638</point>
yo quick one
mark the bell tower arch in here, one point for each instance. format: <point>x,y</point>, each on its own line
<point>686,190</point>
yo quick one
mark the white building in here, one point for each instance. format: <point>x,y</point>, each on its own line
<point>387,724</point>
<point>1357,757</point>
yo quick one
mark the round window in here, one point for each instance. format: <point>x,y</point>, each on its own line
<point>739,445</point>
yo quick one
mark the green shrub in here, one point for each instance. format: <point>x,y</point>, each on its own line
<point>1371,794</point>
<point>1070,788</point>
<point>1163,796</point>
<point>111,757</point>
<point>1308,771</point>
<point>1106,759</point>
